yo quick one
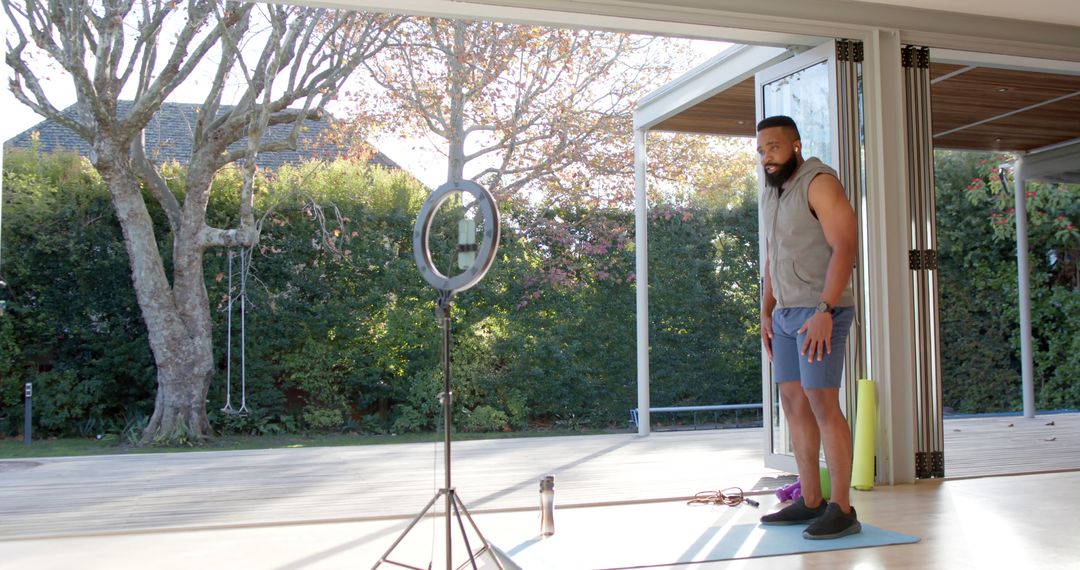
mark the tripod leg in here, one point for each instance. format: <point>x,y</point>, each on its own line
<point>464,535</point>
<point>408,529</point>
<point>453,501</point>
<point>459,507</point>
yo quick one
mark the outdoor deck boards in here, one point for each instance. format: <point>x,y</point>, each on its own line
<point>999,445</point>
<point>105,494</point>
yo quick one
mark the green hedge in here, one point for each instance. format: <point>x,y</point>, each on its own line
<point>341,332</point>
<point>978,287</point>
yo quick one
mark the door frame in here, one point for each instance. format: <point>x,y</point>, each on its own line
<point>777,449</point>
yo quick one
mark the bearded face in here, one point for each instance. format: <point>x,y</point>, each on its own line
<point>780,173</point>
<point>778,150</point>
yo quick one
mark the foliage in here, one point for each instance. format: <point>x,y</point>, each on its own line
<point>340,330</point>
<point>485,418</point>
<point>705,317</point>
<point>291,60</point>
<point>521,108</point>
<point>542,117</point>
<point>70,306</point>
<point>978,286</point>
<point>341,334</point>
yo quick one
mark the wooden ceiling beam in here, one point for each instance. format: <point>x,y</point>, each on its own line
<point>974,108</point>
<point>951,74</point>
<point>1008,114</point>
<point>1032,129</point>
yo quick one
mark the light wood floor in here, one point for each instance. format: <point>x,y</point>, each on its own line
<point>1016,522</point>
<point>341,507</point>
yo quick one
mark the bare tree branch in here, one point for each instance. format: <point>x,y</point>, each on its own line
<point>102,45</point>
<point>156,184</point>
<point>146,44</point>
<point>177,68</point>
<point>524,102</point>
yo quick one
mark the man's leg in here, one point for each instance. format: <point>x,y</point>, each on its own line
<point>836,436</point>
<point>817,395</point>
<point>806,439</point>
<point>801,424</point>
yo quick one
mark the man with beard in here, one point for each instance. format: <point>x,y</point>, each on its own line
<point>807,309</point>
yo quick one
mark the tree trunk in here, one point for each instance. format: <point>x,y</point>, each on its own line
<point>177,320</point>
<point>456,140</point>
<point>183,381</point>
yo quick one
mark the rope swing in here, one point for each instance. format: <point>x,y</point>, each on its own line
<point>242,298</point>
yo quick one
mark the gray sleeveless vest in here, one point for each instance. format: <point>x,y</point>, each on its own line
<point>798,253</point>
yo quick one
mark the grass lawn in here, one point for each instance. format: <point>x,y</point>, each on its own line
<point>12,448</point>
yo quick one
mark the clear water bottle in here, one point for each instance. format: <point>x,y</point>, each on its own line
<point>547,506</point>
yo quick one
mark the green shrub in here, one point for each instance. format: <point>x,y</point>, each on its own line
<point>980,346</point>
<point>484,418</point>
<point>410,420</point>
<point>322,420</point>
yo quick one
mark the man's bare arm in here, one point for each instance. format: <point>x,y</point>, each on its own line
<point>838,222</point>
<point>768,303</point>
<point>837,217</point>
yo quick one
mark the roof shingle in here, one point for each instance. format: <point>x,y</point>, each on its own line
<point>169,135</point>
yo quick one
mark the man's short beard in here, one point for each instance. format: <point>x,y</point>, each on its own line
<point>776,179</point>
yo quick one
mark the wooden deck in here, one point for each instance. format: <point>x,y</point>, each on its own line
<point>89,495</point>
<point>341,507</point>
<point>1003,445</point>
<point>86,495</point>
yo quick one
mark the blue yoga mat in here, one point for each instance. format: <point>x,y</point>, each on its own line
<point>740,542</point>
<point>654,539</point>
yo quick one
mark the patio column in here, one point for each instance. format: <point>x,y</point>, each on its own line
<point>641,280</point>
<point>887,228</point>
<point>923,263</point>
<point>1024,283</point>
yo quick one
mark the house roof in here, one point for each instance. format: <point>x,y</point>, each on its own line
<point>169,134</point>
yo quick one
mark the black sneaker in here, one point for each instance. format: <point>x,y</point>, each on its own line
<point>833,524</point>
<point>795,513</point>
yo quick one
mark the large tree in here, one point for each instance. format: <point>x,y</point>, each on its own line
<point>519,107</point>
<point>538,115</point>
<point>284,62</point>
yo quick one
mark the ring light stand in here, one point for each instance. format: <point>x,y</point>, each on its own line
<point>447,288</point>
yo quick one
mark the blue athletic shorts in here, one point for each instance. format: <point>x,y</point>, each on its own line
<point>789,365</point>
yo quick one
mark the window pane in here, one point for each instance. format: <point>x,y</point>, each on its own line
<point>804,96</point>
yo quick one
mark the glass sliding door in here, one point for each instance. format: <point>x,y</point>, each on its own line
<point>822,97</point>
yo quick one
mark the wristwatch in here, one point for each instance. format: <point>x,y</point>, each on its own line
<point>824,307</point>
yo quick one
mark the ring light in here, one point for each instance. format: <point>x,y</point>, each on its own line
<point>422,250</point>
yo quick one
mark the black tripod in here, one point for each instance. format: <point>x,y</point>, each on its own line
<point>453,501</point>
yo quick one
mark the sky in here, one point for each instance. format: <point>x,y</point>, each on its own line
<point>418,156</point>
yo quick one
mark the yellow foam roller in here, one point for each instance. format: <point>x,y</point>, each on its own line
<point>862,471</point>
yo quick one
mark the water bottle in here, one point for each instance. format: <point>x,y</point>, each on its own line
<point>547,506</point>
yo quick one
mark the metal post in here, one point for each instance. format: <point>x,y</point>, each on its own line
<point>447,408</point>
<point>27,435</point>
<point>1024,282</point>
<point>890,287</point>
<point>641,280</point>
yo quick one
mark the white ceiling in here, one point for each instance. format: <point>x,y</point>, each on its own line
<point>1050,11</point>
<point>1043,29</point>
